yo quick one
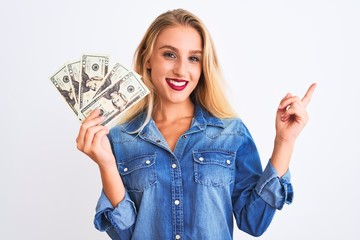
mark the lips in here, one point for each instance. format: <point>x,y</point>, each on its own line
<point>176,84</point>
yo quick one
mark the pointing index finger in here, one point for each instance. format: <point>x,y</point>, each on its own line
<point>307,97</point>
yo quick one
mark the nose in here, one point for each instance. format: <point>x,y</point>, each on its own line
<point>180,68</point>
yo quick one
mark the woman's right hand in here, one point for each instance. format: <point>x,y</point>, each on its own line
<point>92,140</point>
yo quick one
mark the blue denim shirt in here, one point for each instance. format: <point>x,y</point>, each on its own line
<point>193,192</point>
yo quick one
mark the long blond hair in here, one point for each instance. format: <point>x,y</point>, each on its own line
<point>208,93</point>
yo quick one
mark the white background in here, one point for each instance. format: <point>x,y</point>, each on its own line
<point>266,49</point>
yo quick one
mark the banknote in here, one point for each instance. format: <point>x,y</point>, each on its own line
<point>93,70</point>
<point>116,73</point>
<point>73,69</point>
<point>117,98</point>
<point>62,82</point>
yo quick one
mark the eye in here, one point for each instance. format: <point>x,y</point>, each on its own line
<point>194,59</point>
<point>169,55</point>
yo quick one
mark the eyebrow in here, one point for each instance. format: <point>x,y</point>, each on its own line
<point>176,50</point>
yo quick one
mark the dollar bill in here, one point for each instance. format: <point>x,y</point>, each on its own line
<point>117,98</point>
<point>73,69</point>
<point>93,70</point>
<point>62,82</point>
<point>116,73</point>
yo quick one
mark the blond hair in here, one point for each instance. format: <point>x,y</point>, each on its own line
<point>208,93</point>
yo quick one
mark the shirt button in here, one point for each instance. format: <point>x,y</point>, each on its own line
<point>173,165</point>
<point>177,202</point>
<point>158,140</point>
<point>201,159</point>
<point>147,162</point>
<point>177,236</point>
<point>228,162</point>
<point>185,136</point>
<point>126,169</point>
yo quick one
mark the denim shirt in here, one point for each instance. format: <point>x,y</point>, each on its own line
<point>193,192</point>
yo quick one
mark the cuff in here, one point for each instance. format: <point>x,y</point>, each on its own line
<point>121,217</point>
<point>274,190</point>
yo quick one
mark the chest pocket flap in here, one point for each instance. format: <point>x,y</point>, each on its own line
<point>214,167</point>
<point>138,173</point>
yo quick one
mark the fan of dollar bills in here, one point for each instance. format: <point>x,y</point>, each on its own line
<point>87,84</point>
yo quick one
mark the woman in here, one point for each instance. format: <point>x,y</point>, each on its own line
<point>181,164</point>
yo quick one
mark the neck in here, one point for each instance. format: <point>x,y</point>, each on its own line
<point>173,111</point>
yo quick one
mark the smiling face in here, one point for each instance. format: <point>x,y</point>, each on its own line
<point>176,63</point>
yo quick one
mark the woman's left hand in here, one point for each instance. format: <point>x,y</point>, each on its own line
<point>291,116</point>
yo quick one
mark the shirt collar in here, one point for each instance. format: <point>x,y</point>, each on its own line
<point>203,118</point>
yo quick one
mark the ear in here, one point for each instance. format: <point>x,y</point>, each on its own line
<point>148,65</point>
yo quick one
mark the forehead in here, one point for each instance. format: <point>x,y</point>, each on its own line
<point>180,37</point>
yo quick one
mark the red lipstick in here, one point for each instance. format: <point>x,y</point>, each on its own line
<point>177,84</point>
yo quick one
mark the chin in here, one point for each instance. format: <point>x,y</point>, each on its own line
<point>179,100</point>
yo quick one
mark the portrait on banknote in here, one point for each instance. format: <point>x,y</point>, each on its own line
<point>118,99</point>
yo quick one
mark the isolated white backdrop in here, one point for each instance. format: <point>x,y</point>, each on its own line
<point>266,49</point>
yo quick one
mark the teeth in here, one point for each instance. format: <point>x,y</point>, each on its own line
<point>178,84</point>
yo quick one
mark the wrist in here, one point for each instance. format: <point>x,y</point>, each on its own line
<point>108,165</point>
<point>281,141</point>
<point>281,155</point>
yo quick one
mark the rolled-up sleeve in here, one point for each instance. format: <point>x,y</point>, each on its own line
<point>121,217</point>
<point>274,190</point>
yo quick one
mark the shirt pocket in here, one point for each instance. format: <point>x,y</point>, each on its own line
<point>214,167</point>
<point>138,173</point>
